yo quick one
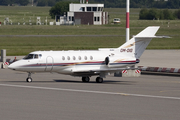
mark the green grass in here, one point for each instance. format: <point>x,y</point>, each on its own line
<point>21,46</point>
<point>24,14</point>
<point>24,45</point>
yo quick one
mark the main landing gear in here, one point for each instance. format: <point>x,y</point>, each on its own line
<point>99,80</point>
<point>29,79</point>
<point>87,79</point>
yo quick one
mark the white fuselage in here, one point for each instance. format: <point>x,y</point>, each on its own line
<point>78,63</point>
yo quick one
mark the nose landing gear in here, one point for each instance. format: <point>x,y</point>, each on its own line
<point>29,79</point>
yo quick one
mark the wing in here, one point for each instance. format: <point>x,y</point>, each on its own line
<point>97,71</point>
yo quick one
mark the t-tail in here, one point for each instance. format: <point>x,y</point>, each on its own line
<point>137,45</point>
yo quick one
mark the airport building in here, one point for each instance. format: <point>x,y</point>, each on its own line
<point>89,14</point>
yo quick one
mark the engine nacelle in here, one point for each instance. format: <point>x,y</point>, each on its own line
<point>116,62</point>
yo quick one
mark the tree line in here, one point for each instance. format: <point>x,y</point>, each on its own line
<point>170,4</point>
<point>158,14</point>
<point>36,2</point>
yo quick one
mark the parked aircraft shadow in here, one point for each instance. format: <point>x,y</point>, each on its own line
<point>94,82</point>
<point>79,82</point>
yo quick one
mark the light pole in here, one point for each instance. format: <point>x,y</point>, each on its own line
<point>127,20</point>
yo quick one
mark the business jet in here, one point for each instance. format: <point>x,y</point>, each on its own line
<point>88,63</point>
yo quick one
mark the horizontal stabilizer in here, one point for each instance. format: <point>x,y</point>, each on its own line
<point>148,32</point>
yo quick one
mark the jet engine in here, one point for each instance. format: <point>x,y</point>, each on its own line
<point>116,62</point>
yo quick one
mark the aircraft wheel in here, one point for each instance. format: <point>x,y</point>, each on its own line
<point>29,79</point>
<point>99,80</point>
<point>85,79</point>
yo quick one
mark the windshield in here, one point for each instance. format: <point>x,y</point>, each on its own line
<point>32,56</point>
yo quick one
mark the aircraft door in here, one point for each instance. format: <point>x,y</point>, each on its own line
<point>49,63</point>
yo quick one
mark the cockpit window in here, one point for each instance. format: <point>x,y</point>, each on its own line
<point>35,56</point>
<point>32,56</point>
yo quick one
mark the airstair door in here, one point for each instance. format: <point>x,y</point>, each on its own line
<point>49,64</point>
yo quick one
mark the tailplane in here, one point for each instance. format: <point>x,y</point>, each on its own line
<point>136,46</point>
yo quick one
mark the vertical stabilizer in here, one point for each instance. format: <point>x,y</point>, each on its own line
<point>136,46</point>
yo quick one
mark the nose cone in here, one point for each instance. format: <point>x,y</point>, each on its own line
<point>12,66</point>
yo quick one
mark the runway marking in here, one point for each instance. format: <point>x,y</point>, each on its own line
<point>88,91</point>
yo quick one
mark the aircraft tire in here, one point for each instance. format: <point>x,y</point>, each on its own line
<point>99,80</point>
<point>85,79</point>
<point>29,79</point>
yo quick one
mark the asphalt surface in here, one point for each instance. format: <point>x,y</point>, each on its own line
<point>60,97</point>
<point>160,58</point>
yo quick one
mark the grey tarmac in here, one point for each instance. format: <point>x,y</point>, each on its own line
<point>53,96</point>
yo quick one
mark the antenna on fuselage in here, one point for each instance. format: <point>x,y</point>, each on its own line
<point>127,20</point>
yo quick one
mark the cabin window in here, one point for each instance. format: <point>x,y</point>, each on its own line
<point>74,58</point>
<point>68,58</point>
<point>63,58</point>
<point>85,57</point>
<point>40,55</point>
<point>91,57</point>
<point>79,57</point>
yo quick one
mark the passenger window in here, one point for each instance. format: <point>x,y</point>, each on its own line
<point>74,58</point>
<point>91,57</point>
<point>68,58</point>
<point>40,55</point>
<point>79,57</point>
<point>85,57</point>
<point>63,58</point>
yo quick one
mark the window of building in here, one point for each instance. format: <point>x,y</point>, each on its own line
<point>72,18</point>
<point>98,19</point>
<point>83,8</point>
<point>99,9</point>
<point>88,8</point>
<point>94,18</point>
<point>94,8</point>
